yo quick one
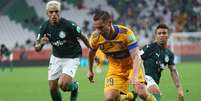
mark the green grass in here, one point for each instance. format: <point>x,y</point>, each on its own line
<point>30,84</point>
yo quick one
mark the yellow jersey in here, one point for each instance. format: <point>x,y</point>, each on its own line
<point>116,49</point>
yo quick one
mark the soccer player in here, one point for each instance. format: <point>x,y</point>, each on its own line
<point>63,36</point>
<point>6,56</point>
<point>118,43</point>
<point>156,56</point>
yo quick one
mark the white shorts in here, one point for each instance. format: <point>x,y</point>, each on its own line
<point>150,81</point>
<point>57,66</point>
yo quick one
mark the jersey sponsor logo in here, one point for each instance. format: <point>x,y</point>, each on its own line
<point>59,43</point>
<point>62,34</point>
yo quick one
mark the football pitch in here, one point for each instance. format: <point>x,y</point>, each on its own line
<point>30,84</point>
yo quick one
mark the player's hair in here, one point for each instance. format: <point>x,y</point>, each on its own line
<point>53,3</point>
<point>164,26</point>
<point>102,15</point>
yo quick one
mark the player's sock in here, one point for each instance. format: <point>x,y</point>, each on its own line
<point>73,87</point>
<point>151,98</point>
<point>158,96</point>
<point>129,96</point>
<point>56,96</point>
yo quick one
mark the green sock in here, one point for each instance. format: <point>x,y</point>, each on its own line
<point>157,96</point>
<point>72,86</point>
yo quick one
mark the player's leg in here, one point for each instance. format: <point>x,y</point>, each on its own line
<point>3,63</point>
<point>141,89</point>
<point>155,91</point>
<point>129,96</point>
<point>11,62</point>
<point>54,71</point>
<point>153,87</point>
<point>66,82</point>
<point>116,89</point>
<point>142,92</point>
<point>54,90</point>
<point>111,95</point>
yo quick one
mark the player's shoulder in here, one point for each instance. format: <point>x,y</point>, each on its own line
<point>44,25</point>
<point>169,51</point>
<point>124,29</point>
<point>68,22</point>
<point>95,35</point>
<point>150,46</point>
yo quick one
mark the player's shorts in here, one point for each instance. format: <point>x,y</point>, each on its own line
<point>57,66</point>
<point>115,82</point>
<point>150,81</point>
<point>7,58</point>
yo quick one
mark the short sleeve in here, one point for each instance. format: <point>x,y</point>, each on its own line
<point>171,61</point>
<point>41,31</point>
<point>76,30</point>
<point>144,51</point>
<point>131,39</point>
<point>93,40</point>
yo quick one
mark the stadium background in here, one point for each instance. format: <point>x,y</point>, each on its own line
<point>20,20</point>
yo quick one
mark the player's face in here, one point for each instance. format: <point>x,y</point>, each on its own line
<point>53,15</point>
<point>162,36</point>
<point>102,26</point>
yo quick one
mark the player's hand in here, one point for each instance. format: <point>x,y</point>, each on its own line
<point>181,95</point>
<point>44,39</point>
<point>90,76</point>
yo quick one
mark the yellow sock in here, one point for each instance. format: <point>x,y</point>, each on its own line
<point>151,98</point>
<point>127,96</point>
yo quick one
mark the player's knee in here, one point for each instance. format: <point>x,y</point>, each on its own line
<point>110,97</point>
<point>142,92</point>
<point>144,96</point>
<point>154,89</point>
<point>63,86</point>
<point>53,88</point>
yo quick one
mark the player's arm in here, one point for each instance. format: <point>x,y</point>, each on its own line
<point>135,55</point>
<point>137,63</point>
<point>175,78</point>
<point>41,38</point>
<point>40,42</point>
<point>91,62</point>
<point>85,40</point>
<point>92,52</point>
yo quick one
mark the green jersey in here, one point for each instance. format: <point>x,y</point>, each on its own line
<point>5,52</point>
<point>63,38</point>
<point>155,59</point>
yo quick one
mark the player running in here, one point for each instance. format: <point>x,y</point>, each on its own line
<point>65,59</point>
<point>156,56</point>
<point>118,43</point>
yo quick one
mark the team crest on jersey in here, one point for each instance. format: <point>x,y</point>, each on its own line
<point>62,34</point>
<point>166,58</point>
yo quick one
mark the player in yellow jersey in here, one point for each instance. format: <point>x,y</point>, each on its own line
<point>121,48</point>
<point>100,59</point>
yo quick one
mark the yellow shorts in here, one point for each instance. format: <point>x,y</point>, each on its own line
<point>115,82</point>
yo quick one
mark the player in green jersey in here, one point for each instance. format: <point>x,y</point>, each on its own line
<point>156,56</point>
<point>6,56</point>
<point>63,35</point>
